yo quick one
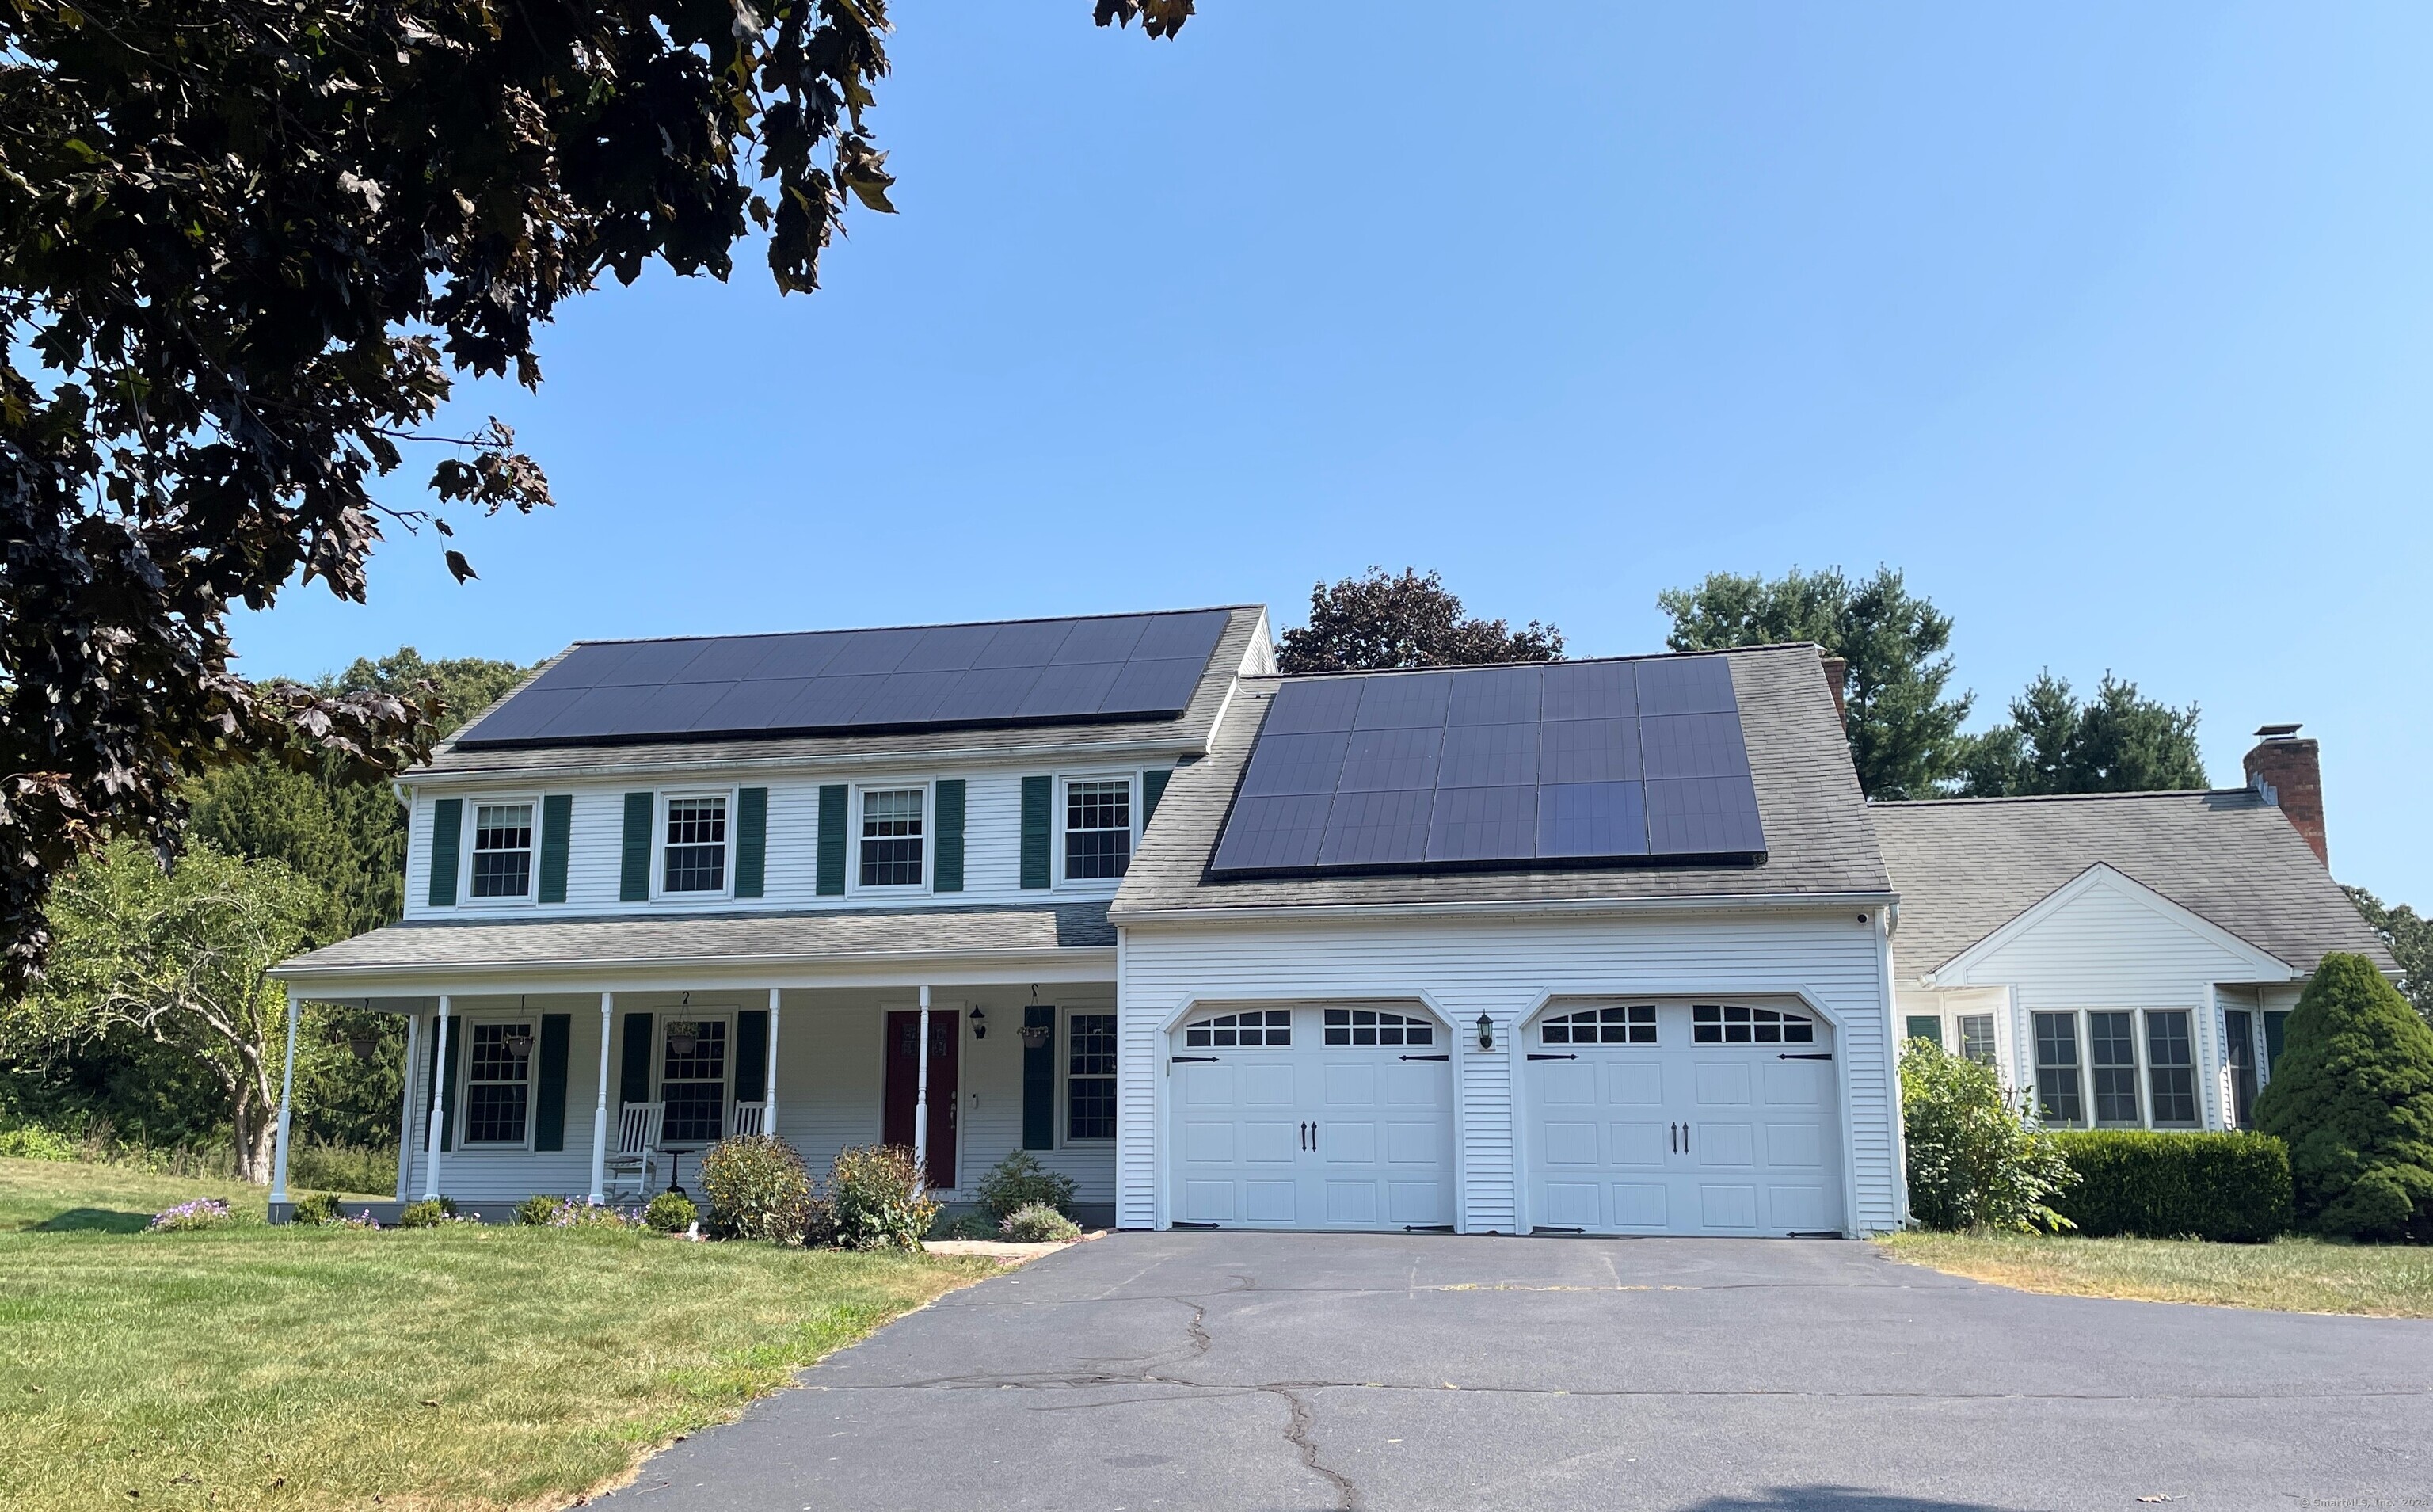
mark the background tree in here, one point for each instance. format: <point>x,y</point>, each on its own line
<point>2353,1097</point>
<point>2409,935</point>
<point>179,957</point>
<point>2118,742</point>
<point>1904,734</point>
<point>1378,622</point>
<point>246,246</point>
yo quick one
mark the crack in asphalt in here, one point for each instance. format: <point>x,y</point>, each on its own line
<point>1298,1433</point>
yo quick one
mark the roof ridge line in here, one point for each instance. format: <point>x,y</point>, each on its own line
<point>936,624</point>
<point>2061,797</point>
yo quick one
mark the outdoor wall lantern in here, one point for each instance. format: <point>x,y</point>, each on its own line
<point>979,1023</point>
<point>1485,1032</point>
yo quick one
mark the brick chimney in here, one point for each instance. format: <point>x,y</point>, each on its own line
<point>2289,771</point>
<point>1837,672</point>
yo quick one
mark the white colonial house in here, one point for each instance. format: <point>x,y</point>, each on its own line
<point>1598,946</point>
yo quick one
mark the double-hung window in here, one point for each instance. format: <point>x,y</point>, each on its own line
<point>2112,1057</point>
<point>694,859</point>
<point>2170,1066</point>
<point>2057,1097</point>
<point>503,850</point>
<point>890,837</point>
<point>1090,1076</point>
<point>692,1080</point>
<point>1977,1038</point>
<point>1098,829</point>
<point>498,1083</point>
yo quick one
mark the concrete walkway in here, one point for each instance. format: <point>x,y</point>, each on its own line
<point>1241,1370</point>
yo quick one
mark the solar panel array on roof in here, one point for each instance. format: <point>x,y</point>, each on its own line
<point>1027,671</point>
<point>1563,763</point>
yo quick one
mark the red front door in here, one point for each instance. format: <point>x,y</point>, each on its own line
<point>904,1080</point>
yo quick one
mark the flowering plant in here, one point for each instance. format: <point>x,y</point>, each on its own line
<point>203,1213</point>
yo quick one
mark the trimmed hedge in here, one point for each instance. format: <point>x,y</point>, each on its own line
<point>2229,1187</point>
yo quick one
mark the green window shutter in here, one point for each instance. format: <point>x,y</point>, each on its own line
<point>1038,794</point>
<point>1039,1082</point>
<point>1926,1027</point>
<point>752,1056</point>
<point>448,1080</point>
<point>751,840</point>
<point>633,877</point>
<point>557,834</point>
<point>949,807</point>
<point>447,835</point>
<point>832,805</point>
<point>634,1076</point>
<point>549,1082</point>
<point>2276,1028</point>
<point>1153,788</point>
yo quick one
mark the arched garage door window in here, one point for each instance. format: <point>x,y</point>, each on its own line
<point>1731,1024</point>
<point>1226,1030</point>
<point>1362,1026</point>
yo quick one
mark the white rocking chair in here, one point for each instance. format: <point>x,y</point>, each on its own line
<point>750,1118</point>
<point>631,1166</point>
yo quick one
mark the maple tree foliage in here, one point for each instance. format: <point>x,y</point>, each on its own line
<point>1384,622</point>
<point>246,246</point>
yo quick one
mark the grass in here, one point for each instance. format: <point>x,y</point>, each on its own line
<point>462,1367</point>
<point>2288,1275</point>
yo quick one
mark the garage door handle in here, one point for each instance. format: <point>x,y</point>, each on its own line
<point>1179,1058</point>
<point>1811,1055</point>
<point>1427,1057</point>
<point>1534,1056</point>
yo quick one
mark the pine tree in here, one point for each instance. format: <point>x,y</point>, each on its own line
<point>2352,1096</point>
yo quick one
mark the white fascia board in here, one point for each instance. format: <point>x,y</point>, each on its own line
<point>2267,966</point>
<point>1713,903</point>
<point>872,760</point>
<point>1064,964</point>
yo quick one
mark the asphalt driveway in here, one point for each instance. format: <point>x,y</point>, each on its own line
<point>1237,1371</point>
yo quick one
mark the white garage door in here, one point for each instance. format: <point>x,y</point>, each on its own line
<point>1690,1118</point>
<point>1312,1117</point>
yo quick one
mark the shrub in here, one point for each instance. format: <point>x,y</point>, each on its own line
<point>316,1209</point>
<point>756,1187</point>
<point>966,1225</point>
<point>540,1208</point>
<point>1038,1224</point>
<point>2352,1096</point>
<point>32,1142</point>
<point>581,1212</point>
<point>203,1213</point>
<point>1020,1182</point>
<point>670,1213</point>
<point>343,1167</point>
<point>428,1214</point>
<point>1974,1163</point>
<point>2227,1187</point>
<point>816,1221</point>
<point>879,1199</point>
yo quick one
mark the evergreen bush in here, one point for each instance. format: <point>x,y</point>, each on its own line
<point>2353,1097</point>
<point>669,1213</point>
<point>2152,1185</point>
<point>428,1214</point>
<point>1038,1224</point>
<point>879,1198</point>
<point>756,1187</point>
<point>1020,1182</point>
<point>540,1208</point>
<point>316,1209</point>
<point>1974,1160</point>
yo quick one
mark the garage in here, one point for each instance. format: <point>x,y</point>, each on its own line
<point>1312,1116</point>
<point>1690,1118</point>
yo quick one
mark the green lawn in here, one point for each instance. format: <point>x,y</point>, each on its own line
<point>462,1367</point>
<point>2288,1275</point>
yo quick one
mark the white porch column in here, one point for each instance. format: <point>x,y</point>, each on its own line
<point>405,1103</point>
<point>600,1109</point>
<point>438,1104</point>
<point>769,1095</point>
<point>286,1108</point>
<point>921,1097</point>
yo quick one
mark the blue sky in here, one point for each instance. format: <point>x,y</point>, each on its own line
<point>2108,325</point>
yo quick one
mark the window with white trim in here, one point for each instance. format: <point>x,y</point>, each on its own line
<point>1365,1025</point>
<point>1977,1038</point>
<point>1226,1030</point>
<point>2057,1068</point>
<point>497,1082</point>
<point>890,837</point>
<point>2112,1064</point>
<point>692,1080</point>
<point>1631,1025</point>
<point>694,859</point>
<point>1098,829</point>
<point>1090,1075</point>
<point>1732,1024</point>
<point>2170,1066</point>
<point>503,850</point>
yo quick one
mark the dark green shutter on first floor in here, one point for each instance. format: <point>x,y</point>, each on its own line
<point>556,837</point>
<point>831,846</point>
<point>1926,1027</point>
<point>549,1082</point>
<point>634,1076</point>
<point>1153,788</point>
<point>751,840</point>
<point>1038,794</point>
<point>2275,1033</point>
<point>948,806</point>
<point>447,836</point>
<point>1039,1082</point>
<point>633,876</point>
<point>434,1074</point>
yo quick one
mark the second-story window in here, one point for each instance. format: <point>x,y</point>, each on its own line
<point>503,847</point>
<point>696,849</point>
<point>891,838</point>
<point>1098,829</point>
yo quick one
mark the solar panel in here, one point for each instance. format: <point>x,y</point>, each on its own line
<point>1117,667</point>
<point>1564,763</point>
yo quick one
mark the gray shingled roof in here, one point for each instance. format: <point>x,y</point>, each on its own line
<point>1818,839</point>
<point>1187,732</point>
<point>1966,867</point>
<point>730,938</point>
